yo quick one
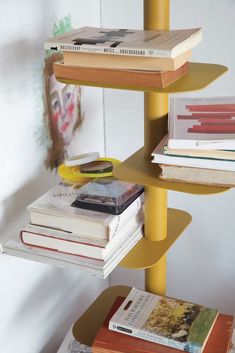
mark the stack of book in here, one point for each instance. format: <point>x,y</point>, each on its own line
<point>146,323</point>
<point>123,57</point>
<point>200,145</point>
<point>94,241</point>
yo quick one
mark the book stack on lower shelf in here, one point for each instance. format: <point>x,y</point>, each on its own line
<point>93,240</point>
<point>145,323</point>
<point>200,145</point>
<point>144,59</point>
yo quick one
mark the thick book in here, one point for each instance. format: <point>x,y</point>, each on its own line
<point>139,79</point>
<point>97,267</point>
<point>107,341</point>
<point>202,123</point>
<point>53,209</point>
<point>72,243</point>
<point>133,42</point>
<point>125,62</point>
<point>161,158</point>
<point>167,321</point>
<point>191,175</point>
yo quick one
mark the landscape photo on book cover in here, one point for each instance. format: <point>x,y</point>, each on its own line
<point>178,320</point>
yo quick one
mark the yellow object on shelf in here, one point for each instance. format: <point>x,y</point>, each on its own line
<point>73,174</point>
<point>200,76</point>
<point>147,253</point>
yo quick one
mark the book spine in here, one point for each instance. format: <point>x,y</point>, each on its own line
<point>148,336</point>
<point>55,46</point>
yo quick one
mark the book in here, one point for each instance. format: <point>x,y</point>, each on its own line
<point>202,123</point>
<point>140,79</point>
<point>71,345</point>
<point>53,209</point>
<point>223,178</point>
<point>225,155</point>
<point>72,243</point>
<point>107,341</point>
<point>100,268</point>
<point>161,158</point>
<point>125,62</point>
<point>133,42</point>
<point>167,321</point>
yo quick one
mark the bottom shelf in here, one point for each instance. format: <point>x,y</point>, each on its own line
<point>85,329</point>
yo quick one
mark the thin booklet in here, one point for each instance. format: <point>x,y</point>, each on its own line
<point>202,123</point>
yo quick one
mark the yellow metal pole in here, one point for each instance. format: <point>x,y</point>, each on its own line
<point>156,16</point>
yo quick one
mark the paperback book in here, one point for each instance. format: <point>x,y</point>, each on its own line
<point>107,341</point>
<point>54,208</point>
<point>202,123</point>
<point>151,43</point>
<point>125,62</point>
<point>72,243</point>
<point>161,158</point>
<point>167,321</point>
<point>128,78</point>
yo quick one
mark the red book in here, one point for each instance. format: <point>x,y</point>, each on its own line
<point>107,341</point>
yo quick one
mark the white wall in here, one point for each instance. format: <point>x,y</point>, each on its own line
<point>38,302</point>
<point>201,265</point>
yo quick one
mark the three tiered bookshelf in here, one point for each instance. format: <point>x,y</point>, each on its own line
<point>163,225</point>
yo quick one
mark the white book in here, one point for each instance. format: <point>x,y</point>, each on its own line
<point>161,158</point>
<point>100,268</point>
<point>72,243</point>
<point>54,209</point>
<point>202,123</point>
<point>133,42</point>
<point>168,321</point>
<point>71,345</point>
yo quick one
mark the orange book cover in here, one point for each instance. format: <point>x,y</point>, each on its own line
<point>107,341</point>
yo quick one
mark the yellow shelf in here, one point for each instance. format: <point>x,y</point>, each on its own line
<point>200,75</point>
<point>147,253</point>
<point>85,329</point>
<point>137,169</point>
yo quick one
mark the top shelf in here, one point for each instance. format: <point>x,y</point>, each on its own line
<point>200,76</point>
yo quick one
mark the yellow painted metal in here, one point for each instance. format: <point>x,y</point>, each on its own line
<point>156,16</point>
<point>147,253</point>
<point>85,329</point>
<point>138,169</point>
<point>200,76</point>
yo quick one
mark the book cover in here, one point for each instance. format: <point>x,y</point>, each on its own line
<point>213,177</point>
<point>225,155</point>
<point>71,345</point>
<point>72,243</point>
<point>161,158</point>
<point>125,62</point>
<point>139,79</point>
<point>167,321</point>
<point>202,123</point>
<point>53,209</point>
<point>127,41</point>
<point>107,341</point>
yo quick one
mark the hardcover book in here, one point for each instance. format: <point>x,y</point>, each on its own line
<point>202,123</point>
<point>125,62</point>
<point>161,158</point>
<point>72,243</point>
<point>167,321</point>
<point>128,79</point>
<point>107,341</point>
<point>53,209</point>
<point>152,43</point>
